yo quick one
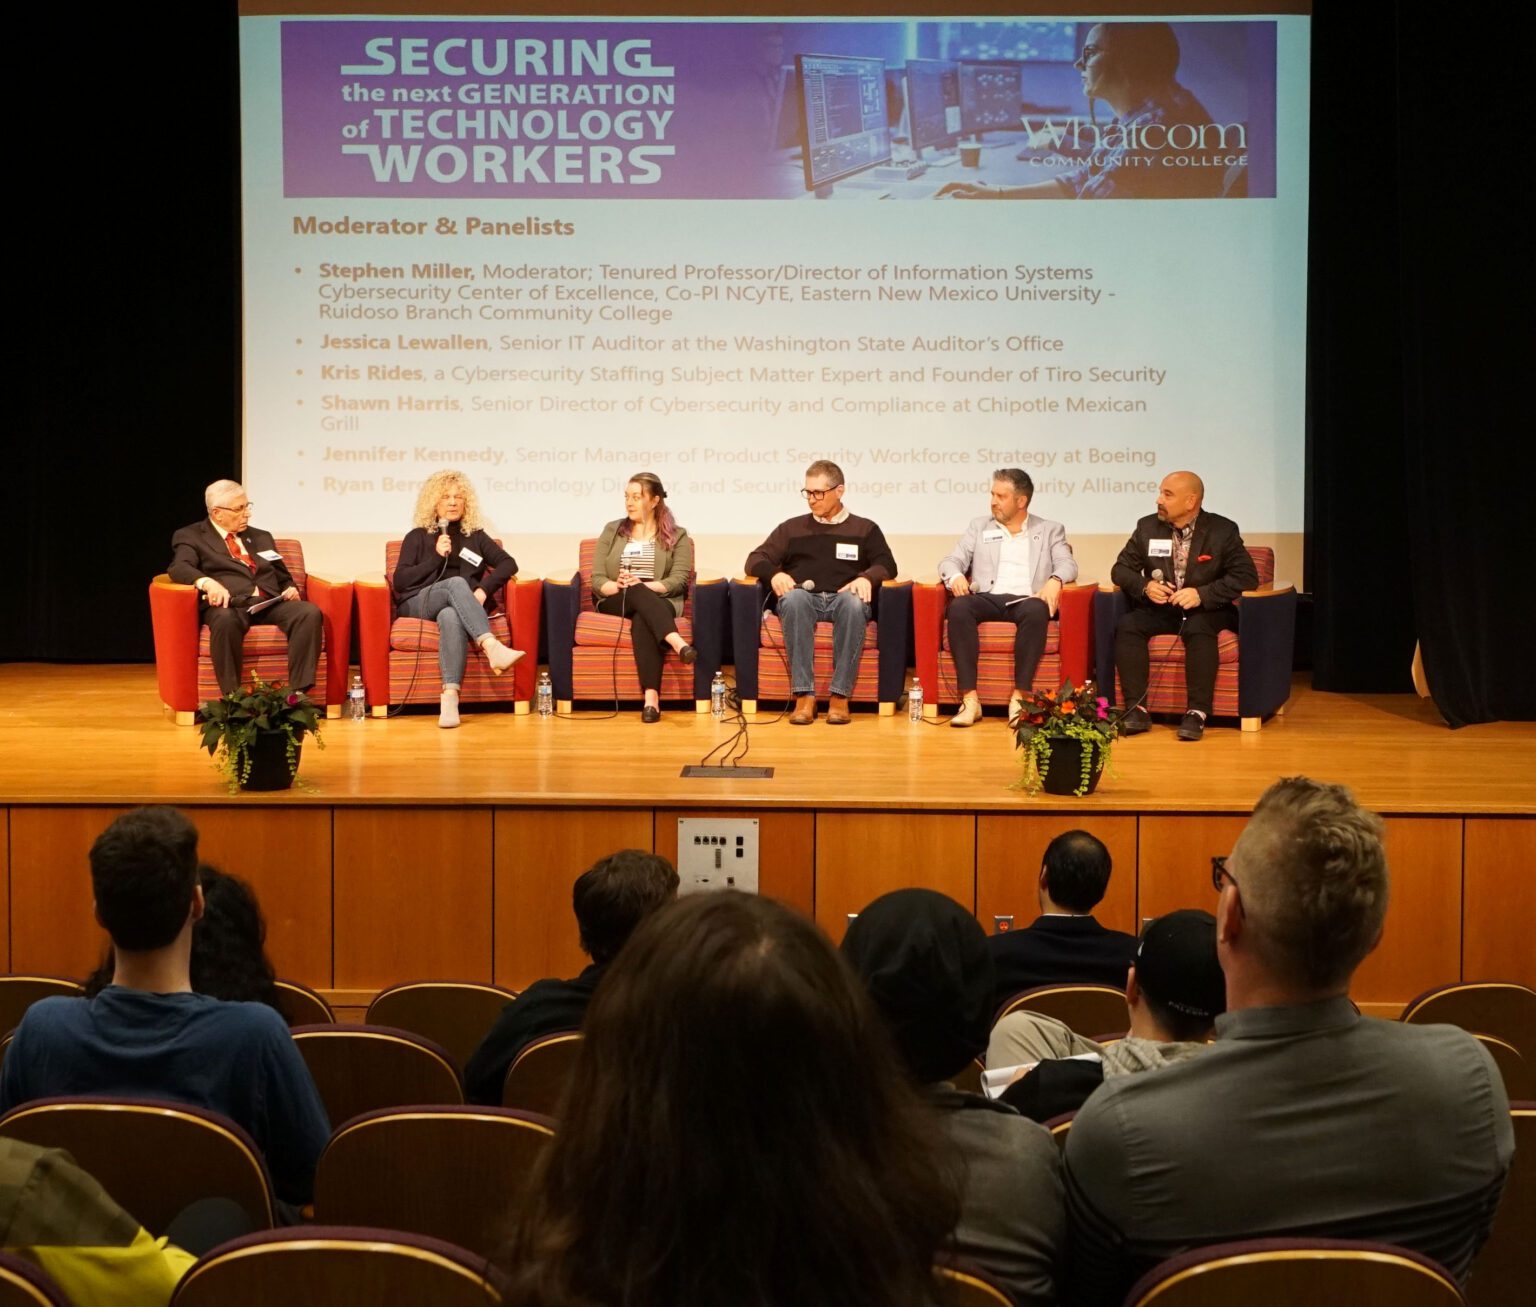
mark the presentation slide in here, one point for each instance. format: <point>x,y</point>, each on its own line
<point>552,253</point>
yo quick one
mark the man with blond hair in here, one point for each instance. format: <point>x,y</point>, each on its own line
<point>236,568</point>
<point>1304,1117</point>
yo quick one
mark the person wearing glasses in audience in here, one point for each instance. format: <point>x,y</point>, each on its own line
<point>823,567</point>
<point>640,571</point>
<point>449,571</point>
<point>1131,67</point>
<point>236,567</point>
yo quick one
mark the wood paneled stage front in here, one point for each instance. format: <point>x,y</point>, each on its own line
<point>416,853</point>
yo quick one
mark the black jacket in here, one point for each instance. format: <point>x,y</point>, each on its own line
<point>1219,565</point>
<point>546,1007</point>
<point>1059,950</point>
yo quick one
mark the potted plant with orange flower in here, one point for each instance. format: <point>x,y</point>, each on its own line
<point>1066,736</point>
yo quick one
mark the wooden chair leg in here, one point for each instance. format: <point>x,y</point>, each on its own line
<point>1252,723</point>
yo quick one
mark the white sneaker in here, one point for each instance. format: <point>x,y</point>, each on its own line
<point>499,656</point>
<point>448,709</point>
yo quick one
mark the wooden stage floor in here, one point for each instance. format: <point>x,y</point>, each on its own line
<point>96,735</point>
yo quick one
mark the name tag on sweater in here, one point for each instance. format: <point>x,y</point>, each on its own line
<point>471,557</point>
<point>848,553</point>
<point>271,555</point>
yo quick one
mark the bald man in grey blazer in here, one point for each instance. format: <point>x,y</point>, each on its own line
<point>1008,567</point>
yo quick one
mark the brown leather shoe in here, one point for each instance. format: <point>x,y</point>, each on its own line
<point>837,711</point>
<point>805,710</point>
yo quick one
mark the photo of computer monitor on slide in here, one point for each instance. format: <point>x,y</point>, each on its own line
<point>991,94</point>
<point>843,124</point>
<point>933,109</point>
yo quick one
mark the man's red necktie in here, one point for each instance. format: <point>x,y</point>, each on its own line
<point>234,551</point>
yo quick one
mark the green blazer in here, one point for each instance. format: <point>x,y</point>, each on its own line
<point>673,566</point>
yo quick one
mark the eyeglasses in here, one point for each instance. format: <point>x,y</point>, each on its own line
<point>1088,53</point>
<point>1218,872</point>
<point>816,496</point>
<point>234,508</point>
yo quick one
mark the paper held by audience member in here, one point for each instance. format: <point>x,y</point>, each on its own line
<point>995,1080</point>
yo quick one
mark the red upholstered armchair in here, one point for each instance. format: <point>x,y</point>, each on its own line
<point>1253,676</point>
<point>583,663</point>
<point>1068,642</point>
<point>399,654</point>
<point>184,670</point>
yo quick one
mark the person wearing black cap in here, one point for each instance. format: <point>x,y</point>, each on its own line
<point>924,959</point>
<point>1175,991</point>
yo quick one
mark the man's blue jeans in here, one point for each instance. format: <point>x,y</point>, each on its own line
<point>799,611</point>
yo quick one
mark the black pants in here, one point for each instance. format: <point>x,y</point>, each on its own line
<point>298,619</point>
<point>653,621</point>
<point>1030,617</point>
<point>1201,627</point>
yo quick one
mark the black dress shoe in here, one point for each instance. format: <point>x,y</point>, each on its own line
<point>688,654</point>
<point>650,714</point>
<point>1135,722</point>
<point>1192,727</point>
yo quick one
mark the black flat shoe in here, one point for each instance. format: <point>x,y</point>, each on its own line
<point>1192,727</point>
<point>649,715</point>
<point>688,654</point>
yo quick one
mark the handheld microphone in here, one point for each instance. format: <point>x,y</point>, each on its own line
<point>442,525</point>
<point>807,584</point>
<point>1157,575</point>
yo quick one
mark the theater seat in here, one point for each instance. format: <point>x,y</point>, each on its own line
<point>1287,1272</point>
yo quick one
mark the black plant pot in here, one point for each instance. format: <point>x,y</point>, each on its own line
<point>1066,769</point>
<point>269,762</point>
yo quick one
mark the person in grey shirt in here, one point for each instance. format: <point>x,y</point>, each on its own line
<point>1304,1118</point>
<point>924,960</point>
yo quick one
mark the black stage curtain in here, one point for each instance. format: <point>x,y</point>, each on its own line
<point>125,253</point>
<point>1414,328</point>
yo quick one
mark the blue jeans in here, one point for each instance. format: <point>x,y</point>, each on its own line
<point>799,611</point>
<point>460,619</point>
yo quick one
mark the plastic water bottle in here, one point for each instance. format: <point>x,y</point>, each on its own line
<point>544,696</point>
<point>357,705</point>
<point>915,700</point>
<point>717,696</point>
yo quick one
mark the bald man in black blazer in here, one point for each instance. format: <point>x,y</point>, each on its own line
<point>234,565</point>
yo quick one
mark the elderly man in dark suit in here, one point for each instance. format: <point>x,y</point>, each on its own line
<point>236,567</point>
<point>1181,570</point>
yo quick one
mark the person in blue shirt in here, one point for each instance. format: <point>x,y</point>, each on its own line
<point>147,1034</point>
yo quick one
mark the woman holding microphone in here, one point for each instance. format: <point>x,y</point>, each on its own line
<point>448,570</point>
<point>640,571</point>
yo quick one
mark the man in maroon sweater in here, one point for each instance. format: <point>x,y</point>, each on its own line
<point>823,567</point>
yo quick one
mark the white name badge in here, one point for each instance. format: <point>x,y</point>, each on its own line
<point>471,557</point>
<point>1159,548</point>
<point>271,555</point>
<point>996,534</point>
<point>848,553</point>
<point>631,549</point>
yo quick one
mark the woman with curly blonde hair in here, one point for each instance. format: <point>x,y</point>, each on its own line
<point>449,571</point>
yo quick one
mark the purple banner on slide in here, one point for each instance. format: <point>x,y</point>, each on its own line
<point>603,109</point>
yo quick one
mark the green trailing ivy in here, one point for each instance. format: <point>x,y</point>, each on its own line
<point>1072,712</point>
<point>232,724</point>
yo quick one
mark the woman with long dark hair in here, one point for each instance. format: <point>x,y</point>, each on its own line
<point>640,570</point>
<point>229,945</point>
<point>737,1130</point>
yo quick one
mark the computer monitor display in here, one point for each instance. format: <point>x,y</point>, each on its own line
<point>786,130</point>
<point>990,95</point>
<point>933,103</point>
<point>844,129</point>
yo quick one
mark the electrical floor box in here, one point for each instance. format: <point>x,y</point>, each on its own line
<point>717,853</point>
